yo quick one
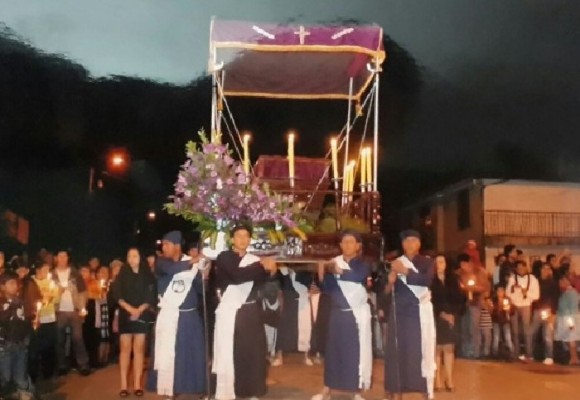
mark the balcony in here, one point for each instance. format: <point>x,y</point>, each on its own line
<point>519,227</point>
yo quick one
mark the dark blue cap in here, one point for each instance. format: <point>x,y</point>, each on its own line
<point>409,233</point>
<point>173,237</point>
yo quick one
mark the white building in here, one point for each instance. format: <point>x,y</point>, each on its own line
<point>538,217</point>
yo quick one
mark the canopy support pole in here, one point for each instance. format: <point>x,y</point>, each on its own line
<point>376,133</point>
<point>212,69</point>
<point>347,140</point>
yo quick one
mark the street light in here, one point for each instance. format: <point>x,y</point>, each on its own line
<point>117,163</point>
<point>151,215</point>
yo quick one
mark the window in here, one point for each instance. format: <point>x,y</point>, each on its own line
<point>463,210</point>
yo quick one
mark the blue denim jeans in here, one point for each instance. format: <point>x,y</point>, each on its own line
<point>14,366</point>
<point>506,330</point>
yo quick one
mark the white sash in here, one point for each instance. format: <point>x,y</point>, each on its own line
<point>225,320</point>
<point>166,328</point>
<point>357,298</point>
<point>304,311</point>
<point>427,321</point>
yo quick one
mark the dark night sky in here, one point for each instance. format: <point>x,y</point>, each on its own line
<point>478,88</point>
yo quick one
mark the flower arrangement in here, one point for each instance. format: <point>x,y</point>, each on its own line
<point>213,192</point>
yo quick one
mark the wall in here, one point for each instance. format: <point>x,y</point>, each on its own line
<point>454,238</point>
<point>533,197</point>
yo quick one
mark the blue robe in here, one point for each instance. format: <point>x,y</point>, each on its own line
<point>190,360</point>
<point>341,358</point>
<point>403,356</point>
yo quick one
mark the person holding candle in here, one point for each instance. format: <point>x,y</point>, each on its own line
<point>43,357</point>
<point>501,315</point>
<point>90,334</point>
<point>523,290</point>
<point>15,333</point>
<point>70,312</point>
<point>102,316</point>
<point>544,311</point>
<point>568,318</point>
<point>474,282</point>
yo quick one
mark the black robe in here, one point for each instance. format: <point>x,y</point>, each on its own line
<point>250,347</point>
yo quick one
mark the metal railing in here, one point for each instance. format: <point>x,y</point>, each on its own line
<point>532,224</point>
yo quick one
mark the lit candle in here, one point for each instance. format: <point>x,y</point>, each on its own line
<point>247,154</point>
<point>506,304</point>
<point>363,168</point>
<point>38,306</point>
<point>368,165</point>
<point>470,284</point>
<point>83,312</point>
<point>334,152</point>
<point>291,156</point>
<point>345,179</point>
<point>545,314</point>
<point>103,283</point>
<point>570,322</point>
<point>351,166</point>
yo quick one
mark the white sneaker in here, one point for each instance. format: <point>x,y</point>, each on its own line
<point>549,361</point>
<point>308,362</point>
<point>318,359</point>
<point>276,362</point>
<point>522,358</point>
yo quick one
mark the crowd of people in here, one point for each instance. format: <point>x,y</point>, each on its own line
<point>176,317</point>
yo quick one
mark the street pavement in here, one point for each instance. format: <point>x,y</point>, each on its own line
<point>475,380</point>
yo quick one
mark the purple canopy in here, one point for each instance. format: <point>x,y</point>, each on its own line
<point>289,61</point>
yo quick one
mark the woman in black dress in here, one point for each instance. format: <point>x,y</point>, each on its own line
<point>136,294</point>
<point>447,300</point>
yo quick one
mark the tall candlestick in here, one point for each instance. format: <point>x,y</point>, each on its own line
<point>351,176</point>
<point>291,157</point>
<point>345,176</point>
<point>334,152</point>
<point>363,168</point>
<point>369,156</point>
<point>247,154</point>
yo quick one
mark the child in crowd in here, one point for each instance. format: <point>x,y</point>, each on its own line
<point>485,324</point>
<point>567,318</point>
<point>15,333</point>
<point>501,318</point>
